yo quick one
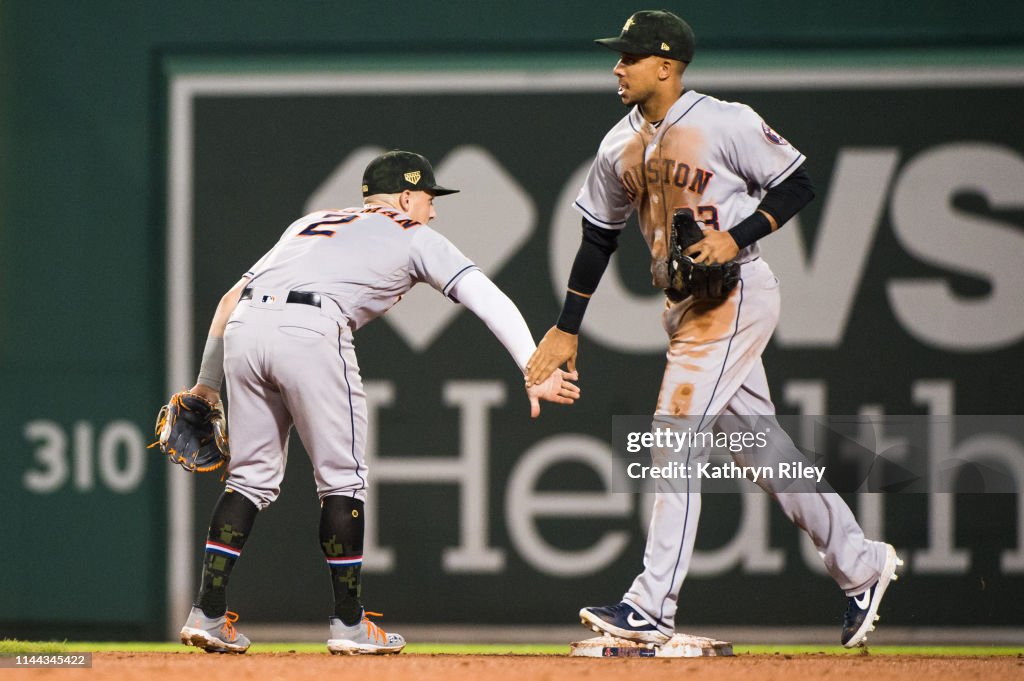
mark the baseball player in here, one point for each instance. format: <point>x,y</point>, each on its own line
<point>283,339</point>
<point>681,149</point>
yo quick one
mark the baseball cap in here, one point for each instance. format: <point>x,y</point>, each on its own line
<point>399,170</point>
<point>653,31</point>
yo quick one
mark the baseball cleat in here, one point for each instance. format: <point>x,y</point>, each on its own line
<point>363,638</point>
<point>623,621</point>
<point>213,634</point>
<point>862,609</point>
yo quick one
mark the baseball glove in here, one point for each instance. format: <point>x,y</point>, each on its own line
<point>687,278</point>
<point>191,432</point>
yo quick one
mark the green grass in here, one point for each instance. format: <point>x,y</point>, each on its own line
<point>13,647</point>
<point>10,647</point>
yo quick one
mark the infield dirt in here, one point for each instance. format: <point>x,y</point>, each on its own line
<point>187,666</point>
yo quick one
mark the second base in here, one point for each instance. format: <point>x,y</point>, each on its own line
<point>680,645</point>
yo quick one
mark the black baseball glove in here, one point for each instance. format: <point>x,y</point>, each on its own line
<point>191,432</point>
<point>687,278</point>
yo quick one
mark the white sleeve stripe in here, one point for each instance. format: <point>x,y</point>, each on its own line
<point>458,275</point>
<point>792,166</point>
<point>596,219</point>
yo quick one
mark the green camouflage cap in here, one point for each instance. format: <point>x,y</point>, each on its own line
<point>657,32</point>
<point>397,171</point>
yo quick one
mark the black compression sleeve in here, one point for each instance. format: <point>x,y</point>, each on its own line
<point>788,197</point>
<point>750,229</point>
<point>596,248</point>
<point>782,202</point>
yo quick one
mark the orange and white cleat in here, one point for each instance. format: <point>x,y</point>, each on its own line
<point>213,634</point>
<point>362,638</point>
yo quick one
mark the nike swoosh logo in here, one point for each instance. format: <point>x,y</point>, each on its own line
<point>863,605</point>
<point>635,621</point>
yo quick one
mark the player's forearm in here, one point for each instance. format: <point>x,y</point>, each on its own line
<point>779,205</point>
<point>596,248</point>
<point>499,313</point>
<point>211,368</point>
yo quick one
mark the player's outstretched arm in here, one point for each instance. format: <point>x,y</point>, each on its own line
<point>503,318</point>
<point>560,343</point>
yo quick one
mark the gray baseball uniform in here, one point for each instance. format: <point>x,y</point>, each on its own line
<point>716,158</point>
<point>292,362</point>
<point>283,337</point>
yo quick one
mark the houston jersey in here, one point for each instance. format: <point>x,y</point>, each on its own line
<point>714,157</point>
<point>365,259</point>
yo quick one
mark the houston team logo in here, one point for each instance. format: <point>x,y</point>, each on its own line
<point>773,137</point>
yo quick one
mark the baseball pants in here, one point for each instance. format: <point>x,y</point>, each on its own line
<point>714,368</point>
<point>291,364</point>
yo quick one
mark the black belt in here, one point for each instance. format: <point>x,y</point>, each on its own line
<point>299,297</point>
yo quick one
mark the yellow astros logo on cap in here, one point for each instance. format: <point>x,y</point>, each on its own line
<point>413,177</point>
<point>629,22</point>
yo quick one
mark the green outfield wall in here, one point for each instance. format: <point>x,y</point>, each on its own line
<point>150,152</point>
